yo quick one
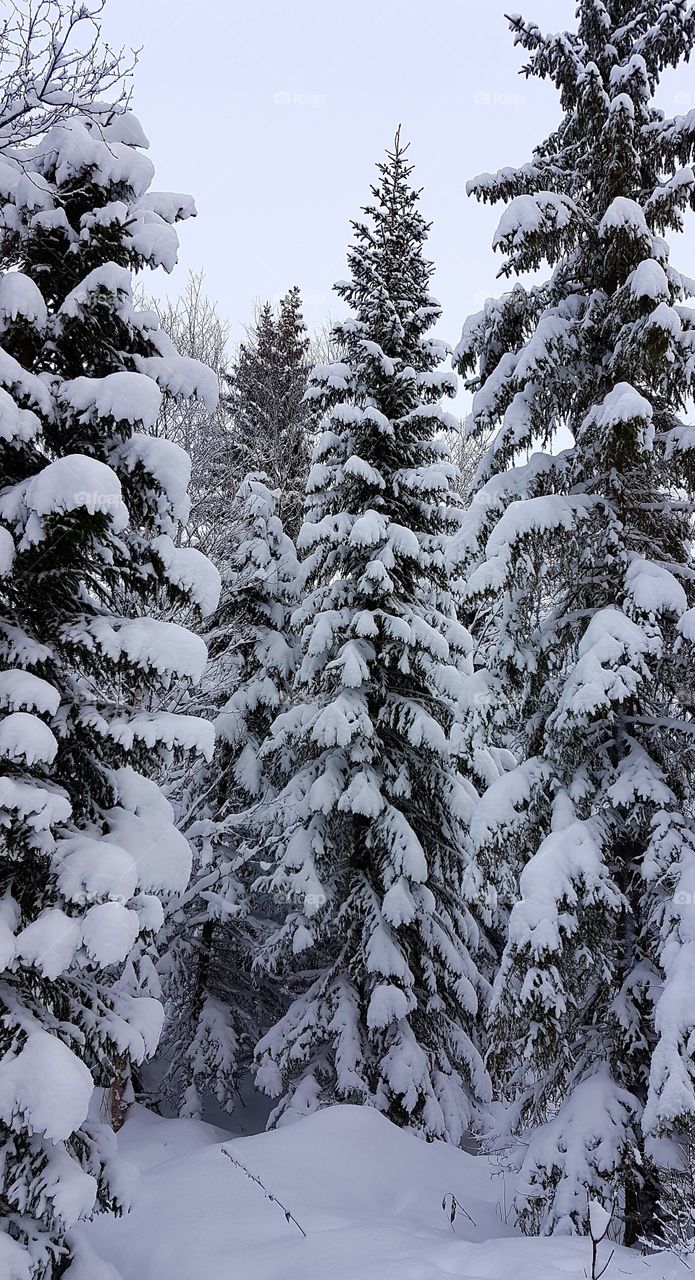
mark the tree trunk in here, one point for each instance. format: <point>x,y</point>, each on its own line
<point>120,1091</point>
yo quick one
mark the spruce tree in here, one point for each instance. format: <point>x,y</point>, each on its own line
<point>580,547</point>
<point>217,1008</point>
<point>271,423</point>
<point>90,506</point>
<point>368,841</point>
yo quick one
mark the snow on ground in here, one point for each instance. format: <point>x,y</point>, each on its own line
<point>368,1195</point>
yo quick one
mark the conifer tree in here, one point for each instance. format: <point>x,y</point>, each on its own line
<point>217,1007</point>
<point>271,423</point>
<point>580,546</point>
<point>368,836</point>
<point>90,505</point>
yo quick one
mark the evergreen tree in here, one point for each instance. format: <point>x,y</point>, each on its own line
<point>272,424</point>
<point>217,1008</point>
<point>368,834</point>
<point>580,545</point>
<point>90,505</point>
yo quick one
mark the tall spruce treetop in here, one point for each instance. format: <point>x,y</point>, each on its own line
<point>272,422</point>
<point>581,558</point>
<point>369,833</point>
<point>90,505</point>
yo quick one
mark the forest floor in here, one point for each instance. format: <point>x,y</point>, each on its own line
<point>355,1199</point>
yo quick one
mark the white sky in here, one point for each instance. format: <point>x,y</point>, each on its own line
<point>272,114</point>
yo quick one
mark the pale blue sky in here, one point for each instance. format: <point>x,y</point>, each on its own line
<point>273,113</point>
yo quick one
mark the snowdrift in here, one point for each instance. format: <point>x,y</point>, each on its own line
<point>367,1195</point>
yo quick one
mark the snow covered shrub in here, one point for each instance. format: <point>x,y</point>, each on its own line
<point>674,1227</point>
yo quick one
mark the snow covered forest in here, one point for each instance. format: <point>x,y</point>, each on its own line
<point>347,704</point>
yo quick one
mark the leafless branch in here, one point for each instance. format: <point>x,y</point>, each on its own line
<point>289,1217</point>
<point>54,64</point>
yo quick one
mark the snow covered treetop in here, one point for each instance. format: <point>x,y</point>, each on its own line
<point>606,72</point>
<point>593,203</point>
<point>389,320</point>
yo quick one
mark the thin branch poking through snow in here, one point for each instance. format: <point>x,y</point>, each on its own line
<point>289,1217</point>
<point>454,1208</point>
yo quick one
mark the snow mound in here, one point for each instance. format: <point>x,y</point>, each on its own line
<point>367,1195</point>
<point>48,1084</point>
<point>123,396</point>
<point>21,299</point>
<point>23,737</point>
<point>191,571</point>
<point>77,481</point>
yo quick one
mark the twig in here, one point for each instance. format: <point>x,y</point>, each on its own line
<point>289,1217</point>
<point>596,1240</point>
<point>455,1205</point>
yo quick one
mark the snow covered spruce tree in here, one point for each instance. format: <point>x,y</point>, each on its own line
<point>89,508</point>
<point>368,835</point>
<point>217,1006</point>
<point>272,424</point>
<point>582,557</point>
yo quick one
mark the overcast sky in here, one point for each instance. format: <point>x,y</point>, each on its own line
<point>272,114</point>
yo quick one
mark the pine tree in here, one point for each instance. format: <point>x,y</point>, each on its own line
<point>368,835</point>
<point>90,506</point>
<point>580,540</point>
<point>271,422</point>
<point>217,1009</point>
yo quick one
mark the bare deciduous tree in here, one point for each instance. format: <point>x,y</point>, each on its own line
<point>54,64</point>
<point>195,326</point>
<point>467,452</point>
